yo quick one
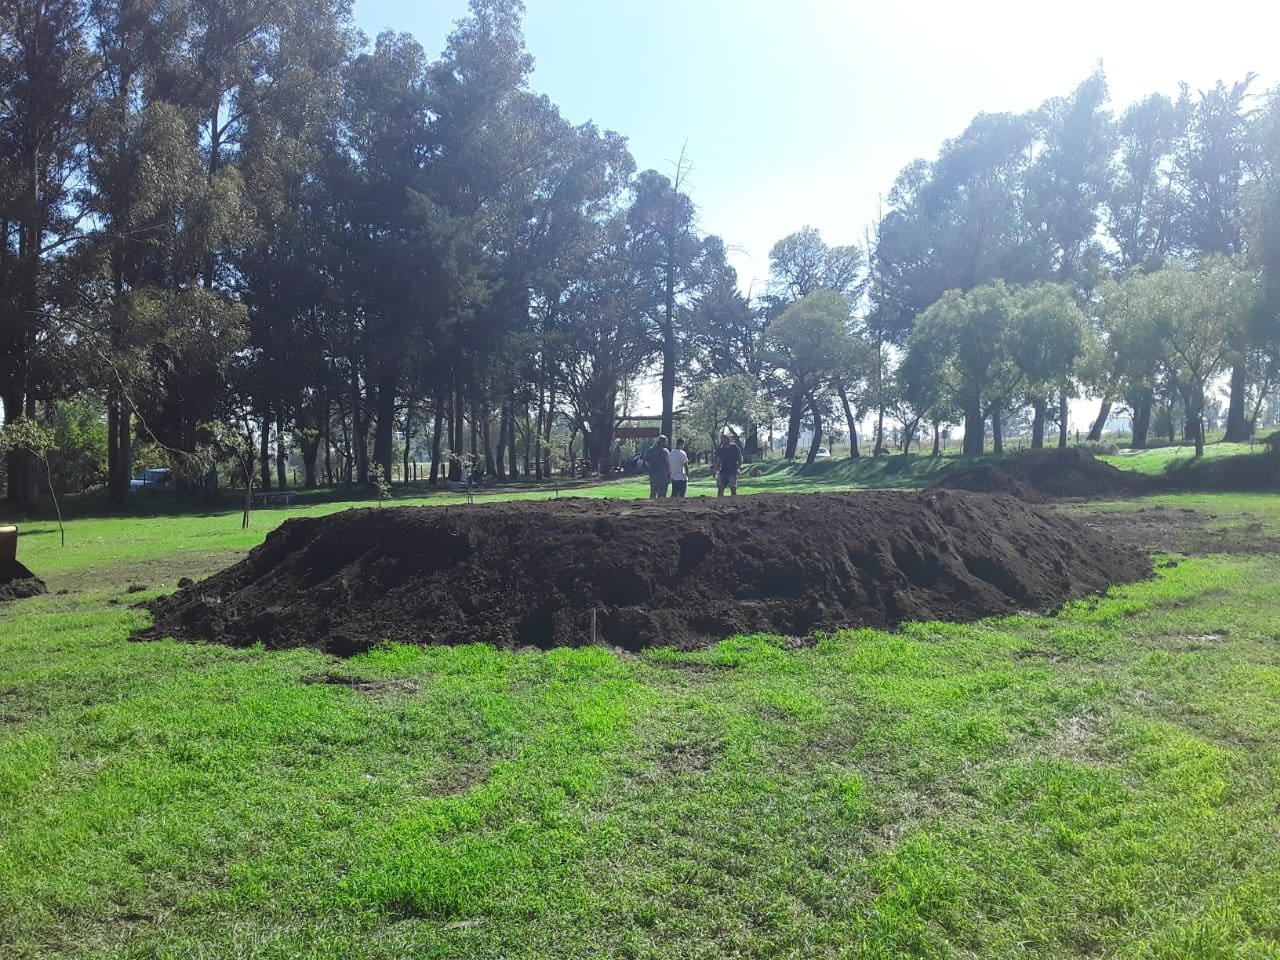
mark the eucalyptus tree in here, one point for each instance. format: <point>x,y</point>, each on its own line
<point>606,345</point>
<point>1213,159</point>
<point>1142,210</point>
<point>1068,181</point>
<point>665,246</point>
<point>46,82</point>
<point>286,136</point>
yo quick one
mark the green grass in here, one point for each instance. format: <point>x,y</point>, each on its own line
<point>1104,782</point>
<point>1160,459</point>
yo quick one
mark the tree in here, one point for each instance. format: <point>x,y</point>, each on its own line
<point>1192,312</point>
<point>1068,181</point>
<point>721,403</point>
<point>809,344</point>
<point>1142,213</point>
<point>665,246</point>
<point>46,77</point>
<point>1211,163</point>
<point>963,342</point>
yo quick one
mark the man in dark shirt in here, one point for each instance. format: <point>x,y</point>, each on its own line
<point>658,460</point>
<point>728,463</point>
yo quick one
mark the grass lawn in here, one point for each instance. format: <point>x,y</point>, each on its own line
<point>1104,782</point>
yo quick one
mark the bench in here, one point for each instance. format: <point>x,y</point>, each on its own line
<point>282,499</point>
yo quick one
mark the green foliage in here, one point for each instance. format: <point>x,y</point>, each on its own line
<point>724,402</point>
<point>811,341</point>
<point>78,448</point>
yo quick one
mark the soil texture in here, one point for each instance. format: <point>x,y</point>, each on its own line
<point>637,574</point>
<point>1039,476</point>
<point>17,582</point>
<point>1163,529</point>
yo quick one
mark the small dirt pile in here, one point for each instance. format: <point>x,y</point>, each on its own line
<point>1038,476</point>
<point>637,574</point>
<point>17,582</point>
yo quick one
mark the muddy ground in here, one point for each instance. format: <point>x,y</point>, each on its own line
<point>636,574</point>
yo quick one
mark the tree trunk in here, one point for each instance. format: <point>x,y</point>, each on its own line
<point>1100,424</point>
<point>485,434</point>
<point>669,344</point>
<point>793,425</point>
<point>1037,423</point>
<point>850,421</point>
<point>500,454</point>
<point>264,451</point>
<point>937,438</point>
<point>1142,419</point>
<point>437,423</point>
<point>1064,411</point>
<point>385,422</point>
<point>997,432</point>
<point>282,455</point>
<point>909,434</point>
<point>119,449</point>
<point>408,441</point>
<point>310,452</point>
<point>511,443</point>
<point>528,445</point>
<point>974,428</point>
<point>817,431</point>
<point>1237,423</point>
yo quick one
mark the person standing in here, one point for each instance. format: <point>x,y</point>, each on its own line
<point>658,460</point>
<point>679,470</point>
<point>728,463</point>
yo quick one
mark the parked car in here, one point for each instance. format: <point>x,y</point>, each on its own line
<point>158,478</point>
<point>822,454</point>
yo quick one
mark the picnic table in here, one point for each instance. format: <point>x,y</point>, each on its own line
<point>282,499</point>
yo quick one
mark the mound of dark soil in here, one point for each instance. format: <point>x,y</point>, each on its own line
<point>1050,474</point>
<point>17,582</point>
<point>1243,472</point>
<point>636,574</point>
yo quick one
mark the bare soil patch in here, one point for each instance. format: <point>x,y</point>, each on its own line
<point>1161,529</point>
<point>636,574</point>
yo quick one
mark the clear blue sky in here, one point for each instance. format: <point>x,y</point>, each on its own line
<point>802,112</point>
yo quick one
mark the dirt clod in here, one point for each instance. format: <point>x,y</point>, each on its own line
<point>642,574</point>
<point>17,582</point>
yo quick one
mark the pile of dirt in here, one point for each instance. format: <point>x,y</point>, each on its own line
<point>17,582</point>
<point>639,574</point>
<point>1243,472</point>
<point>1038,476</point>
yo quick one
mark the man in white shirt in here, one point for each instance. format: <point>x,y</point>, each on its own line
<point>679,469</point>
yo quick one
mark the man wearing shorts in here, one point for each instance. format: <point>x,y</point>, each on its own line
<point>728,463</point>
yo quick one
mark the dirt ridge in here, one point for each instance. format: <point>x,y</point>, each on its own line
<point>636,574</point>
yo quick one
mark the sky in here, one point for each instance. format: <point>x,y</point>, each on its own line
<point>796,113</point>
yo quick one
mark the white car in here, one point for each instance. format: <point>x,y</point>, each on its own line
<point>158,478</point>
<point>822,454</point>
